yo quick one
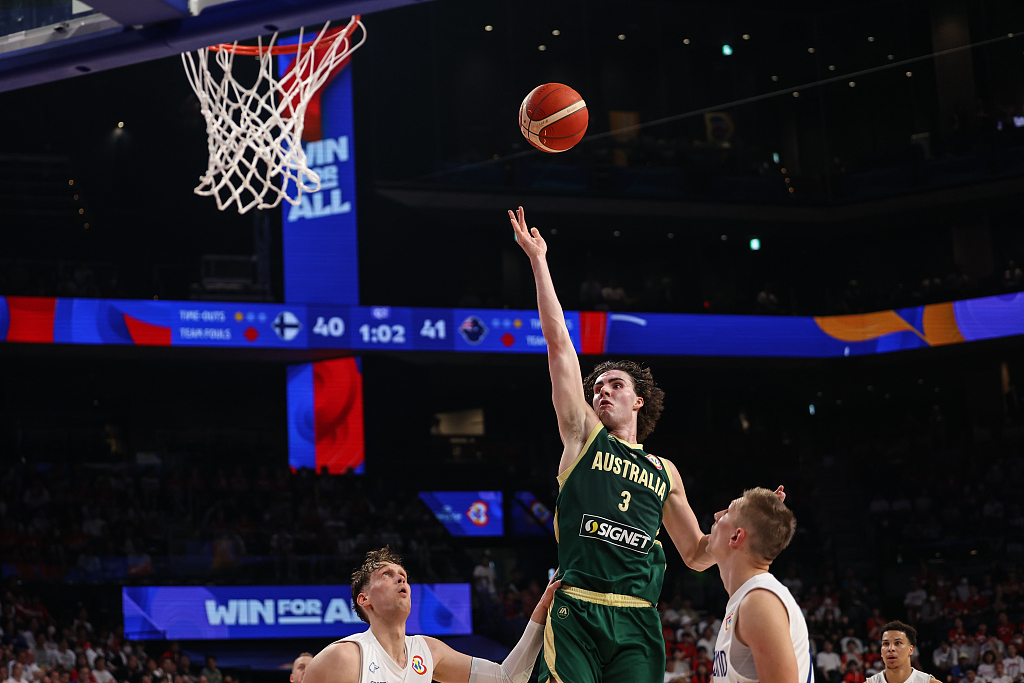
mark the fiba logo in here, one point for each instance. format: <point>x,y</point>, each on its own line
<point>562,612</point>
<point>592,527</point>
<point>479,513</point>
<point>418,666</point>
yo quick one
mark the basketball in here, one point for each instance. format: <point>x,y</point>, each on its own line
<point>553,117</point>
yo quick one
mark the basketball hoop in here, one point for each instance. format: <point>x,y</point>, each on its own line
<point>255,133</point>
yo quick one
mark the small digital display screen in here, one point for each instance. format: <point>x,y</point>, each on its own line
<point>467,513</point>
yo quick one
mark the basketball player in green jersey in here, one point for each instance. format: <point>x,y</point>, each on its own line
<point>613,498</point>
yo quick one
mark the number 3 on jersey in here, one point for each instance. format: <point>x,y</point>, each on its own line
<point>624,505</point>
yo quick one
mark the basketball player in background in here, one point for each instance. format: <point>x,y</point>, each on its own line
<point>385,654</point>
<point>613,498</point>
<point>764,636</point>
<point>299,667</point>
<point>898,643</point>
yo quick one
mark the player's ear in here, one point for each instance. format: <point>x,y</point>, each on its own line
<point>737,536</point>
<point>639,403</point>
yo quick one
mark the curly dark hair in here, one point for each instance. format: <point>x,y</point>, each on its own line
<point>643,385</point>
<point>361,577</point>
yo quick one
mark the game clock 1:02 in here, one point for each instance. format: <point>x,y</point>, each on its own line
<point>382,334</point>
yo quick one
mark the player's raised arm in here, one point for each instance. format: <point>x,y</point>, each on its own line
<point>682,526</point>
<point>451,666</point>
<point>575,417</point>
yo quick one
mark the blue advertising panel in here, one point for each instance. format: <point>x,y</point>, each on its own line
<point>321,260</point>
<point>530,517</point>
<point>232,612</point>
<point>467,513</point>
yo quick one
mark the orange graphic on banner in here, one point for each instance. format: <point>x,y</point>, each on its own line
<point>938,323</point>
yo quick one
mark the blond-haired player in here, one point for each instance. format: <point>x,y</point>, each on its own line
<point>764,635</point>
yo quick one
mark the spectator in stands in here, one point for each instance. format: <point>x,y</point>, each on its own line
<point>1005,628</point>
<point>64,656</point>
<point>485,579</point>
<point>17,674</point>
<point>853,672</point>
<point>701,675</point>
<point>958,672</point>
<point>914,600</point>
<point>851,638</point>
<point>185,668</point>
<point>851,655</point>
<point>84,675</point>
<point>1013,663</point>
<point>995,646</point>
<point>707,641</point>
<point>987,667</point>
<point>212,673</point>
<point>99,671</point>
<point>1000,676</point>
<point>944,658</point>
<point>829,663</point>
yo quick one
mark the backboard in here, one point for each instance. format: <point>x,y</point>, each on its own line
<point>47,40</point>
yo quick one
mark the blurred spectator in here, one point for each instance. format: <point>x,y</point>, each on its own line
<point>944,659</point>
<point>1013,663</point>
<point>212,673</point>
<point>829,663</point>
<point>854,674</point>
<point>702,674</point>
<point>485,579</point>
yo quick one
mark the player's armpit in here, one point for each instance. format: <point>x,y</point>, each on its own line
<point>450,666</point>
<point>336,663</point>
<point>682,526</point>
<point>763,626</point>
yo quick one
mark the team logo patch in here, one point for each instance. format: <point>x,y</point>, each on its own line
<point>373,667</point>
<point>728,621</point>
<point>562,612</point>
<point>655,460</point>
<point>473,330</point>
<point>616,533</point>
<point>418,666</point>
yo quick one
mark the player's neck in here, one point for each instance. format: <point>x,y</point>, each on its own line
<point>738,572</point>
<point>625,433</point>
<point>899,674</point>
<point>391,637</point>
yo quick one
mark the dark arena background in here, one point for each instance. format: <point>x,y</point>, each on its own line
<point>806,218</point>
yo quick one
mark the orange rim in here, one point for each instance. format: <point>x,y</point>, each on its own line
<point>255,50</point>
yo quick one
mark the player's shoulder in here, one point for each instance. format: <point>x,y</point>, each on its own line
<point>877,678</point>
<point>339,662</point>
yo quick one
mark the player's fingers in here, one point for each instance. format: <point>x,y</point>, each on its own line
<point>535,232</point>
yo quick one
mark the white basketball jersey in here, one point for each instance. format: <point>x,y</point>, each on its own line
<point>734,662</point>
<point>914,677</point>
<point>376,665</point>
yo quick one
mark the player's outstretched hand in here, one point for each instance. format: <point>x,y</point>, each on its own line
<point>781,492</point>
<point>529,239</point>
<point>540,612</point>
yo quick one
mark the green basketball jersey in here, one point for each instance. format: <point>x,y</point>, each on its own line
<point>607,515</point>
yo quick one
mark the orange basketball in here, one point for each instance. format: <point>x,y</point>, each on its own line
<point>553,117</point>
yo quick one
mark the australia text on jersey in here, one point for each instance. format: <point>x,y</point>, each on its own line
<point>606,462</point>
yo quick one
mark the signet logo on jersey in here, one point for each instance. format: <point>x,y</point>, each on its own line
<point>616,533</point>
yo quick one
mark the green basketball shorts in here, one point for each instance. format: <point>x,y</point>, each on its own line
<point>602,638</point>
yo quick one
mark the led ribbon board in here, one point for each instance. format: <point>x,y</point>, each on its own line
<point>233,612</point>
<point>365,328</point>
<point>321,260</point>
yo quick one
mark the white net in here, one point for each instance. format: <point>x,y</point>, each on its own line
<point>255,132</point>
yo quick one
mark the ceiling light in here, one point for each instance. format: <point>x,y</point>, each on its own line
<point>726,50</point>
<point>755,244</point>
<point>831,67</point>
<point>909,74</point>
<point>488,28</point>
<point>853,84</point>
<point>890,57</point>
<point>775,78</point>
<point>796,93</point>
<point>871,39</point>
<point>811,50</point>
<point>622,36</point>
<point>542,47</point>
<point>746,36</point>
<point>686,41</point>
<point>556,32</point>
